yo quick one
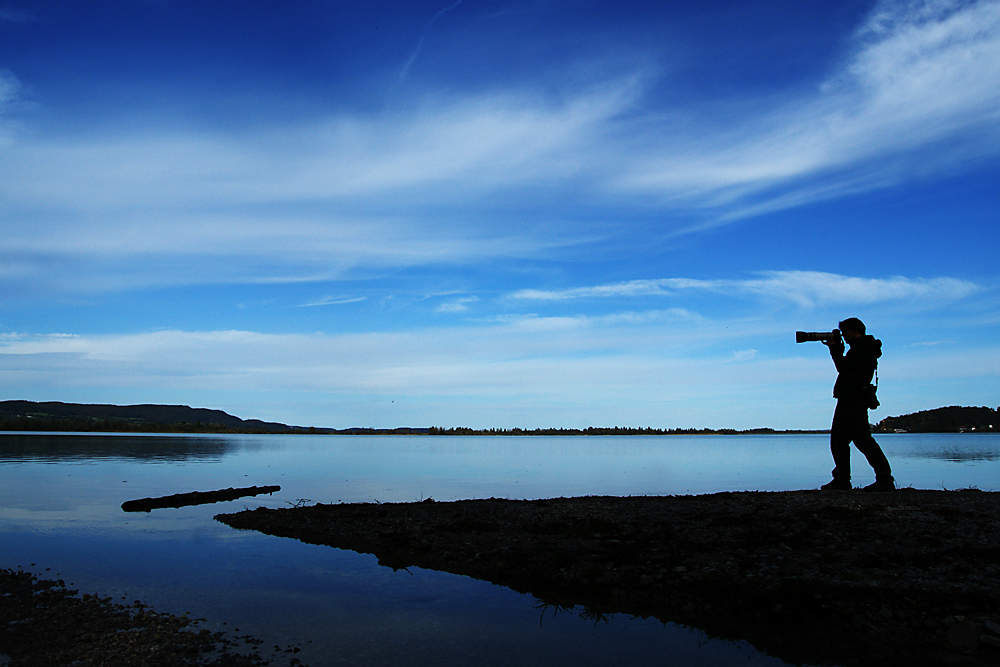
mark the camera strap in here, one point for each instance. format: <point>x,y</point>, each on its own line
<point>876,373</point>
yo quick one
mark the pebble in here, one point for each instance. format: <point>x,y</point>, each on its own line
<point>963,637</point>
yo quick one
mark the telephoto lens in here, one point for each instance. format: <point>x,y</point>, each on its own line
<point>806,336</point>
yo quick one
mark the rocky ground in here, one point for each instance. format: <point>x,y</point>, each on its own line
<point>43,624</point>
<point>845,577</point>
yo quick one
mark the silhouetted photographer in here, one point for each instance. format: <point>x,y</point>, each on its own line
<point>855,394</point>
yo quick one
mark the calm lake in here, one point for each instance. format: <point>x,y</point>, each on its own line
<point>61,517</point>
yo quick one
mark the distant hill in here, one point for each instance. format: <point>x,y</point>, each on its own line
<point>56,416</point>
<point>953,419</point>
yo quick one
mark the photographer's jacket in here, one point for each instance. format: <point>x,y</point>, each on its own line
<point>856,368</point>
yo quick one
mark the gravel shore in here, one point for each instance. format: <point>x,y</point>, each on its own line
<point>904,578</point>
<point>43,624</point>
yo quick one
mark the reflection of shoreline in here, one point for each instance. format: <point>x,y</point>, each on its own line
<point>953,456</point>
<point>58,447</point>
<point>950,447</point>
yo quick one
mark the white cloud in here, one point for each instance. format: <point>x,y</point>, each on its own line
<point>333,301</point>
<point>924,83</point>
<point>9,86</point>
<point>809,288</point>
<point>942,366</point>
<point>405,69</point>
<point>741,356</point>
<point>146,248</point>
<point>491,370</point>
<point>920,92</point>
<point>602,369</point>
<point>803,288</point>
<point>457,305</point>
<point>10,89</point>
<point>502,355</point>
<point>478,144</point>
<point>624,289</point>
<point>923,77</point>
<point>15,16</point>
<point>307,203</point>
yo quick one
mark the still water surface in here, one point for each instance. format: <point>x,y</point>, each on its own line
<point>60,516</point>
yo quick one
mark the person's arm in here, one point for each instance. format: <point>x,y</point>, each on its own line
<point>836,352</point>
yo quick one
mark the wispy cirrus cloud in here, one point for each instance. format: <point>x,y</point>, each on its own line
<point>923,82</point>
<point>811,288</point>
<point>478,143</point>
<point>405,69</point>
<point>15,16</point>
<point>918,92</point>
<point>459,305</point>
<point>601,370</point>
<point>120,253</point>
<point>803,288</point>
<point>10,88</point>
<point>622,289</point>
<point>333,301</point>
<point>103,204</point>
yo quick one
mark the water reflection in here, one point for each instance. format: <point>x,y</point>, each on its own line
<point>61,496</point>
<point>951,447</point>
<point>960,455</point>
<point>61,447</point>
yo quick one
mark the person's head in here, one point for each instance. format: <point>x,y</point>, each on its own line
<point>854,326</point>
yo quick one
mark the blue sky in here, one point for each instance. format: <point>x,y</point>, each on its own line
<point>494,214</point>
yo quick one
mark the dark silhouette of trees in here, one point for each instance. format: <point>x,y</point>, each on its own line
<point>952,419</point>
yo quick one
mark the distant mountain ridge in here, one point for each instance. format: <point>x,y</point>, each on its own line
<point>57,416</point>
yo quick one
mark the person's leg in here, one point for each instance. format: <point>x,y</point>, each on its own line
<point>840,446</point>
<point>876,457</point>
<point>861,434</point>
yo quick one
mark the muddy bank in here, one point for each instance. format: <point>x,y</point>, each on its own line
<point>851,578</point>
<point>43,623</point>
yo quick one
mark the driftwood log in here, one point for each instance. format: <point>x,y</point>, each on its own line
<point>195,498</point>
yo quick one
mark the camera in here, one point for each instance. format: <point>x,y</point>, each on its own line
<point>824,336</point>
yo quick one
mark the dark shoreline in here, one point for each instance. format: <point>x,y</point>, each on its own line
<point>44,623</point>
<point>18,426</point>
<point>851,578</point>
<point>28,416</point>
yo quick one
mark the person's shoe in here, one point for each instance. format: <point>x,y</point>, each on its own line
<point>837,485</point>
<point>882,485</point>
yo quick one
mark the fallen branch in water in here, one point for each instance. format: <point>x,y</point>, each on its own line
<point>195,498</point>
